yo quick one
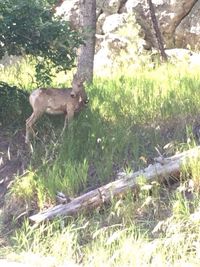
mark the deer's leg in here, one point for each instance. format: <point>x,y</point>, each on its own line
<point>65,125</point>
<point>68,117</point>
<point>29,123</point>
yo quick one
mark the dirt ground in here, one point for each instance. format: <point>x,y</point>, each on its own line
<point>13,159</point>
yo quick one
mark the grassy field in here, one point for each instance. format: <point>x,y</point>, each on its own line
<point>130,116</point>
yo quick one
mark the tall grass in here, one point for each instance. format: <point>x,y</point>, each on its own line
<point>129,117</point>
<point>126,119</point>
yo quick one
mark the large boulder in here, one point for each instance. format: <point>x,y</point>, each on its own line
<point>113,22</point>
<point>178,22</point>
<point>187,33</point>
<point>170,15</point>
<point>178,19</point>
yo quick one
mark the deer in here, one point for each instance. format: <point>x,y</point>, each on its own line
<point>67,101</point>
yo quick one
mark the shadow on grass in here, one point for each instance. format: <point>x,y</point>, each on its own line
<point>94,149</point>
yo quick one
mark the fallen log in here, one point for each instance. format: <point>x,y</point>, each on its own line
<point>163,168</point>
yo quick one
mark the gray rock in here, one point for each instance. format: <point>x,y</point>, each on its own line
<point>178,19</point>
<point>109,6</point>
<point>69,10</point>
<point>113,22</point>
<point>187,32</point>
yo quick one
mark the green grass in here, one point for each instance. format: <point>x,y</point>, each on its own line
<point>126,119</point>
<point>129,115</point>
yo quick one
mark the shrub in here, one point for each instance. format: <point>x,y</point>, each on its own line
<point>14,106</point>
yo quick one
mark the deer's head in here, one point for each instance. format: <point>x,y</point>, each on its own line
<point>78,88</point>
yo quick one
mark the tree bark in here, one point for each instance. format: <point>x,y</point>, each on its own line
<point>163,168</point>
<point>86,53</point>
<point>157,31</point>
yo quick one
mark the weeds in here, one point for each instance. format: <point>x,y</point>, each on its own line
<point>129,119</point>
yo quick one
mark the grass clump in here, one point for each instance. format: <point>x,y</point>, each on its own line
<point>122,234</point>
<point>21,198</point>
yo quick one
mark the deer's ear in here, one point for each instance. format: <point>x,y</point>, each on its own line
<point>81,79</point>
<point>80,83</point>
<point>75,76</point>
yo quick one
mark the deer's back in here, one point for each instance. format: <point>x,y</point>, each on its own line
<point>48,96</point>
<point>55,93</point>
<point>53,100</point>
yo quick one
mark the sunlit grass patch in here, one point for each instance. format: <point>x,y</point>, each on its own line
<point>50,244</point>
<point>20,74</point>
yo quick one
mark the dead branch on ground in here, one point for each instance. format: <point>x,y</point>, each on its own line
<point>163,168</point>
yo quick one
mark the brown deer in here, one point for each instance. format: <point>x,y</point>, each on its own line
<point>56,101</point>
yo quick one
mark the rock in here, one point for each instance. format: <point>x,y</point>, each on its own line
<point>178,19</point>
<point>100,22</point>
<point>116,42</point>
<point>113,45</point>
<point>69,10</point>
<point>102,60</point>
<point>170,16</point>
<point>184,55</point>
<point>188,30</point>
<point>195,60</point>
<point>99,40</point>
<point>130,6</point>
<point>109,6</point>
<point>113,22</point>
<point>179,54</point>
<point>109,49</point>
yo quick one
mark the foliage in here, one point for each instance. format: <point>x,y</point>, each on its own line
<point>31,28</point>
<point>14,106</point>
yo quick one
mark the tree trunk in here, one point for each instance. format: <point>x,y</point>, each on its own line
<point>157,31</point>
<point>86,54</point>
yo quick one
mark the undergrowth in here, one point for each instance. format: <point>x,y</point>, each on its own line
<point>128,120</point>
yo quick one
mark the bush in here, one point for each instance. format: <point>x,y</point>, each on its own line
<point>30,28</point>
<point>14,105</point>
